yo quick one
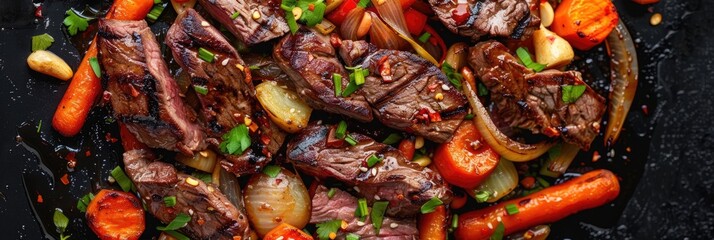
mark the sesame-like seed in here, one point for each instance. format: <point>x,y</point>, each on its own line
<point>445,87</point>
<point>376,197</point>
<point>239,66</point>
<point>656,19</point>
<point>360,223</point>
<point>356,188</point>
<point>225,62</point>
<point>111,179</point>
<point>191,181</point>
<point>439,97</point>
<point>256,15</point>
<point>363,169</point>
<point>490,226</point>
<point>190,211</point>
<point>205,24</point>
<point>374,172</point>
<point>279,238</point>
<point>393,225</point>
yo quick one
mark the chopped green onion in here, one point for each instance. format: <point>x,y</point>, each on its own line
<point>121,178</point>
<point>235,15</point>
<point>452,74</point>
<point>42,42</point>
<point>271,170</point>
<point>352,236</point>
<point>205,177</point>
<point>179,221</point>
<point>170,201</point>
<point>177,235</point>
<point>363,3</point>
<point>482,196</point>
<point>362,209</point>
<point>331,193</point>
<point>498,232</point>
<point>206,55</point>
<point>392,139</point>
<point>94,63</point>
<point>511,209</point>
<point>431,205</point>
<point>377,215</point>
<point>84,201</point>
<point>157,1</point>
<point>337,81</point>
<point>203,90</point>
<point>156,12</point>
<point>543,182</point>
<point>359,76</point>
<point>482,90</point>
<point>571,93</point>
<point>425,37</point>
<point>39,126</point>
<point>254,67</point>
<point>469,116</point>
<point>527,61</point>
<point>349,139</point>
<point>372,160</point>
<point>60,220</point>
<point>454,222</point>
<point>235,141</point>
<point>341,130</point>
<point>290,19</point>
<point>351,88</point>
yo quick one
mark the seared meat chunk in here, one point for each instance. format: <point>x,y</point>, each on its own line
<point>212,214</point>
<point>269,24</point>
<point>407,92</point>
<point>144,95</point>
<point>310,60</point>
<point>342,206</point>
<point>534,101</point>
<point>228,101</point>
<point>404,184</point>
<point>477,18</point>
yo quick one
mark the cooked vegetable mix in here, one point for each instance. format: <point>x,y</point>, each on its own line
<point>400,132</point>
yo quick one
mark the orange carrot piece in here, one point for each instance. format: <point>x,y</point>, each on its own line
<point>407,148</point>
<point>585,23</point>
<point>128,140</point>
<point>85,85</point>
<point>433,225</point>
<point>286,231</point>
<point>115,215</point>
<point>590,190</point>
<point>465,160</point>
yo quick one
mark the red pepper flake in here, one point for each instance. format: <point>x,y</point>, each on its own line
<point>71,159</point>
<point>134,92</point>
<point>265,139</point>
<point>551,132</point>
<point>628,149</point>
<point>335,40</point>
<point>200,221</point>
<point>435,117</point>
<point>38,11</point>
<point>311,7</point>
<point>106,96</point>
<point>65,179</point>
<point>460,14</point>
<point>253,127</point>
<point>645,110</point>
<point>110,139</point>
<point>39,198</point>
<point>88,153</point>
<point>385,69</point>
<point>596,156</point>
<point>432,87</point>
<point>528,182</point>
<point>278,181</point>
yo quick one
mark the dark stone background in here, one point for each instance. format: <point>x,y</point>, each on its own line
<point>670,196</point>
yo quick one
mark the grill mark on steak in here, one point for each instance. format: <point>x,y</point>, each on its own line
<point>144,95</point>
<point>271,23</point>
<point>212,214</point>
<point>533,101</point>
<point>230,90</point>
<point>406,185</point>
<point>310,60</point>
<point>410,86</point>
<point>498,18</point>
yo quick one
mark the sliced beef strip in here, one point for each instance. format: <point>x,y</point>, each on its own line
<point>270,23</point>
<point>229,101</point>
<point>342,206</point>
<point>310,60</point>
<point>403,88</point>
<point>533,101</point>
<point>144,95</point>
<point>478,18</point>
<point>212,214</point>
<point>406,185</point>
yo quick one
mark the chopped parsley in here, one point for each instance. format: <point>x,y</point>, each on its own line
<point>527,61</point>
<point>571,93</point>
<point>451,73</point>
<point>324,229</point>
<point>60,221</point>
<point>235,141</point>
<point>75,23</point>
<point>271,170</point>
<point>313,12</point>
<point>42,42</point>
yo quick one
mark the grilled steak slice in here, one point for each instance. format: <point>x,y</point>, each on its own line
<point>212,214</point>
<point>477,18</point>
<point>407,92</point>
<point>404,184</point>
<point>534,101</point>
<point>270,23</point>
<point>227,80</point>
<point>310,60</point>
<point>144,95</point>
<point>342,206</point>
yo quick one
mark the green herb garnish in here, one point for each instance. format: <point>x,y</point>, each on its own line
<point>511,209</point>
<point>324,229</point>
<point>425,37</point>
<point>571,93</point>
<point>121,178</point>
<point>341,130</point>
<point>203,90</point>
<point>235,141</point>
<point>84,201</point>
<point>362,209</point>
<point>372,160</point>
<point>331,193</point>
<point>451,73</point>
<point>271,170</point>
<point>170,201</point>
<point>498,232</point>
<point>527,61</point>
<point>74,22</point>
<point>482,196</point>
<point>42,42</point>
<point>392,139</point>
<point>205,177</point>
<point>179,221</point>
<point>349,139</point>
<point>206,55</point>
<point>337,81</point>
<point>377,215</point>
<point>94,63</point>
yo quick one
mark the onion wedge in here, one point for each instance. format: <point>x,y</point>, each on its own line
<point>506,147</point>
<point>623,73</point>
<point>392,14</point>
<point>181,6</point>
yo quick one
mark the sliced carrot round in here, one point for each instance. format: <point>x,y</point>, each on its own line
<point>465,160</point>
<point>115,215</point>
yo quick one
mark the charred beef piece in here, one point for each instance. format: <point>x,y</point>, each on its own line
<point>477,18</point>
<point>310,60</point>
<point>143,94</point>
<point>407,92</point>
<point>270,23</point>
<point>534,101</point>
<point>229,101</point>
<point>406,185</point>
<point>342,206</point>
<point>212,214</point>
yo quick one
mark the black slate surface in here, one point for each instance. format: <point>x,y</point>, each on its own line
<point>670,197</point>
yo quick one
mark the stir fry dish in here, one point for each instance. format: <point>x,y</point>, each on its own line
<point>343,119</point>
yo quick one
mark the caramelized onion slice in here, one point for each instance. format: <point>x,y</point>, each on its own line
<point>392,14</point>
<point>502,144</point>
<point>623,73</point>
